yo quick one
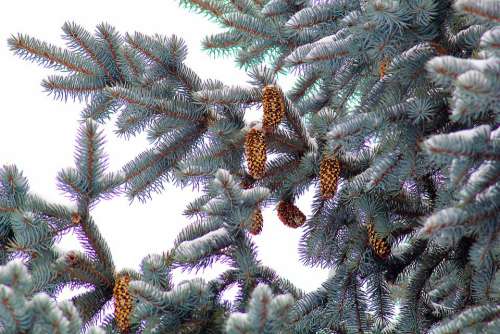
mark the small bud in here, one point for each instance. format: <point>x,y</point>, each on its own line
<point>76,219</point>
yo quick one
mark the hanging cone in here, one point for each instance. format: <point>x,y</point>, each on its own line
<point>255,153</point>
<point>379,245</point>
<point>383,67</point>
<point>273,105</point>
<point>123,303</point>
<point>329,170</point>
<point>257,222</point>
<point>290,215</point>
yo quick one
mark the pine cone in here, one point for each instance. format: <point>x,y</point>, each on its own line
<point>383,66</point>
<point>329,170</point>
<point>123,303</point>
<point>273,105</point>
<point>257,222</point>
<point>290,215</point>
<point>255,153</point>
<point>379,245</point>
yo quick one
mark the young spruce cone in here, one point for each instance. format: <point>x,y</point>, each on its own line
<point>379,245</point>
<point>273,105</point>
<point>329,170</point>
<point>290,215</point>
<point>255,153</point>
<point>257,222</point>
<point>123,303</point>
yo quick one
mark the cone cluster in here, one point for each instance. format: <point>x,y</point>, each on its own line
<point>290,215</point>
<point>329,171</point>
<point>257,222</point>
<point>273,105</point>
<point>123,303</point>
<point>255,153</point>
<point>379,245</point>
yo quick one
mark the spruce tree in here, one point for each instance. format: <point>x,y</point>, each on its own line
<point>392,123</point>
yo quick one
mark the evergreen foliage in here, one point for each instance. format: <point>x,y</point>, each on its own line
<point>23,311</point>
<point>395,112</point>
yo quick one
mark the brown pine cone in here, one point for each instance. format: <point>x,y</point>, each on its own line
<point>290,215</point>
<point>273,105</point>
<point>255,153</point>
<point>123,303</point>
<point>329,171</point>
<point>379,245</point>
<point>382,68</point>
<point>257,222</point>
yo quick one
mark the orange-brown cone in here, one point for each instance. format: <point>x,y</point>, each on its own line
<point>273,105</point>
<point>255,153</point>
<point>257,222</point>
<point>290,215</point>
<point>383,66</point>
<point>123,303</point>
<point>329,171</point>
<point>379,245</point>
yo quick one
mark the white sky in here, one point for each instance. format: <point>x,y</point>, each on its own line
<point>37,133</point>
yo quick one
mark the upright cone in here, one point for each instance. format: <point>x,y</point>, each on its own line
<point>273,105</point>
<point>329,171</point>
<point>257,222</point>
<point>255,153</point>
<point>379,245</point>
<point>290,215</point>
<point>123,303</point>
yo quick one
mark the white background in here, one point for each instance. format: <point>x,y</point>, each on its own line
<point>37,133</point>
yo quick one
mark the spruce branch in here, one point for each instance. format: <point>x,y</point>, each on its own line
<point>81,40</point>
<point>50,56</point>
<point>485,9</point>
